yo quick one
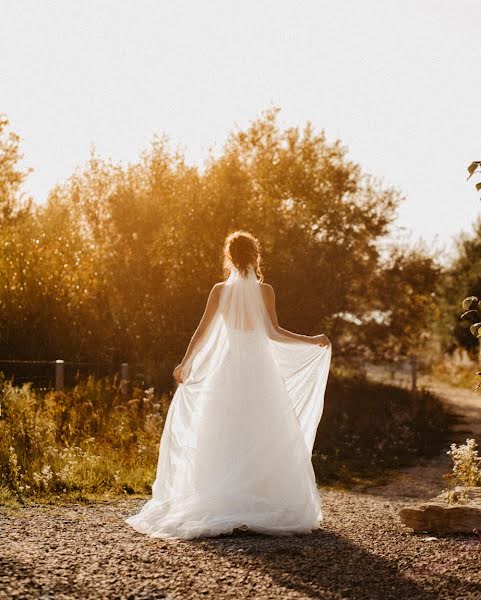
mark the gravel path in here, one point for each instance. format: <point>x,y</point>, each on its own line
<point>85,551</point>
<point>362,551</point>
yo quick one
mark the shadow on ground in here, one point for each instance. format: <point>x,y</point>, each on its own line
<point>322,565</point>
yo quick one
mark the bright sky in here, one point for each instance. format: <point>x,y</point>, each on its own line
<point>397,82</point>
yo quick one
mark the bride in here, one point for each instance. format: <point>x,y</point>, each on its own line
<point>236,448</point>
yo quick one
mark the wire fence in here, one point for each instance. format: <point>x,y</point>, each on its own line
<point>402,373</point>
<point>64,374</point>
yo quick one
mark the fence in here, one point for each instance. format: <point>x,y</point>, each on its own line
<point>403,373</point>
<point>60,374</point>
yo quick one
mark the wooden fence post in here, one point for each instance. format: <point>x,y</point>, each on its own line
<point>125,379</point>
<point>59,375</point>
<point>414,372</point>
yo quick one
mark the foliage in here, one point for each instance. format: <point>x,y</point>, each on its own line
<point>466,470</point>
<point>118,264</point>
<point>460,280</point>
<point>472,314</point>
<point>405,296</point>
<point>88,441</point>
<point>368,427</point>
<point>475,168</point>
<point>472,318</point>
<point>453,373</point>
<point>92,441</point>
<point>12,204</point>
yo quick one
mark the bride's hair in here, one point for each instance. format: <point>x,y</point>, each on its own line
<point>241,250</point>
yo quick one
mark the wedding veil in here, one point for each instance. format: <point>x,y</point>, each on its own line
<point>238,437</point>
<point>240,328</point>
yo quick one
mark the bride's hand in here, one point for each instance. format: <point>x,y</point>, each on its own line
<point>178,373</point>
<point>321,340</point>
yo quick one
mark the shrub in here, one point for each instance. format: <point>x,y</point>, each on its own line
<point>92,441</point>
<point>369,427</point>
<point>89,441</point>
<point>466,470</point>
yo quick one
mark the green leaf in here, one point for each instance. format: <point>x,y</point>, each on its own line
<point>469,301</point>
<point>469,313</point>
<point>474,329</point>
<point>473,166</point>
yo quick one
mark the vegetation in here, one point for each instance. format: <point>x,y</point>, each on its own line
<point>475,167</point>
<point>454,374</point>
<point>466,471</point>
<point>88,441</point>
<point>92,441</point>
<point>463,277</point>
<point>13,205</point>
<point>118,264</point>
<point>460,280</point>
<point>370,427</point>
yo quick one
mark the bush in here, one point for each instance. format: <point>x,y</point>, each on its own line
<point>93,441</point>
<point>466,471</point>
<point>369,427</point>
<point>87,441</point>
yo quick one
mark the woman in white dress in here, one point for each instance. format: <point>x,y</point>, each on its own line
<point>236,447</point>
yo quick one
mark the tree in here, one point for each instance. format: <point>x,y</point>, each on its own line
<point>321,220</point>
<point>406,285</point>
<point>118,264</point>
<point>11,177</point>
<point>461,279</point>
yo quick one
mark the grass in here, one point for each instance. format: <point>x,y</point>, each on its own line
<point>88,442</point>
<point>456,374</point>
<point>91,443</point>
<point>369,428</point>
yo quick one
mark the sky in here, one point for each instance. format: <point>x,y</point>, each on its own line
<point>398,83</point>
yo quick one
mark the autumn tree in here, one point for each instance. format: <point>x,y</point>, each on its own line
<point>12,201</point>
<point>118,263</point>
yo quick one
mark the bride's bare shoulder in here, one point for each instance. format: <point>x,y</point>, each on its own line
<point>214,295</point>
<point>216,290</point>
<point>218,287</point>
<point>267,290</point>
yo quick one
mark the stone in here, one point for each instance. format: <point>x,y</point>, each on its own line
<point>436,515</point>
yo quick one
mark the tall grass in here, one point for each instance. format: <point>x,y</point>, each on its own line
<point>91,441</point>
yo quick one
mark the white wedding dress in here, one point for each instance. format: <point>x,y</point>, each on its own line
<point>236,447</point>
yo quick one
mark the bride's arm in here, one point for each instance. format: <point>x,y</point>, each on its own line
<point>206,320</point>
<point>270,302</point>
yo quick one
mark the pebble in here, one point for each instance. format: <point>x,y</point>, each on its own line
<point>361,552</point>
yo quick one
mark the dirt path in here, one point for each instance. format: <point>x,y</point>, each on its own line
<point>425,480</point>
<point>362,550</point>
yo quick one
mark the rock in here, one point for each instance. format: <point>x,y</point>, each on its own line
<point>438,516</point>
<point>442,519</point>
